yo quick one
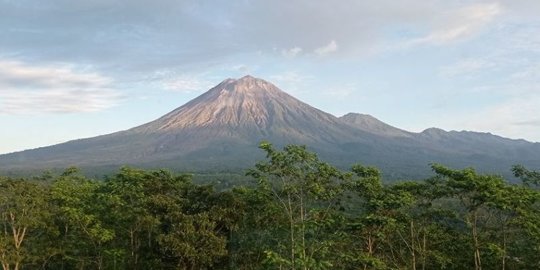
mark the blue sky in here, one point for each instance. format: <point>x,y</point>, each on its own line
<point>73,69</point>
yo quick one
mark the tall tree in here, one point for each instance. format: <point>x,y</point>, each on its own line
<point>83,233</point>
<point>306,190</point>
<point>24,214</point>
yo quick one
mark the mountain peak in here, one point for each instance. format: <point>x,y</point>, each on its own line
<point>248,103</point>
<point>247,83</point>
<point>434,131</point>
<point>245,79</point>
<point>249,77</point>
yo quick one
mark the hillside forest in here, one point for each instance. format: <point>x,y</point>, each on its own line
<point>297,212</point>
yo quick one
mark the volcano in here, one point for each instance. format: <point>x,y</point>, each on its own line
<point>249,109</point>
<point>220,130</point>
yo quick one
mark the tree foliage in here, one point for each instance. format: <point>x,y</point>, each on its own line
<point>299,213</point>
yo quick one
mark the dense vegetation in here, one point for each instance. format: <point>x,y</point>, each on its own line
<point>299,213</point>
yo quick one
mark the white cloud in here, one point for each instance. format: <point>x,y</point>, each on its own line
<point>57,101</point>
<point>458,24</point>
<point>341,91</point>
<point>291,81</point>
<point>292,52</point>
<point>535,122</point>
<point>329,48</point>
<point>27,89</point>
<point>465,67</point>
<point>211,31</point>
<point>530,72</point>
<point>514,118</point>
<point>290,77</point>
<point>22,75</point>
<point>514,110</point>
<point>187,83</point>
<point>240,68</point>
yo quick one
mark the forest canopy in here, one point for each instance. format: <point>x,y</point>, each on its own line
<point>298,212</point>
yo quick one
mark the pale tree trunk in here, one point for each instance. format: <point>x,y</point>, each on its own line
<point>413,253</point>
<point>291,221</point>
<point>504,246</point>
<point>134,248</point>
<point>424,250</point>
<point>369,244</point>
<point>18,234</point>
<point>477,260</point>
<point>303,233</point>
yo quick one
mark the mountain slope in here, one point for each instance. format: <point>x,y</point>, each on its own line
<point>250,108</point>
<point>222,126</point>
<point>220,130</point>
<point>373,125</point>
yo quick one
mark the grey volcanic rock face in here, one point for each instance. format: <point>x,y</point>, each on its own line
<point>220,130</point>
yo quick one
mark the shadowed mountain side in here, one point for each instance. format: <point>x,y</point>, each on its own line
<point>220,130</point>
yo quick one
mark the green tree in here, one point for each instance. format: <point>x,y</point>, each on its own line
<point>381,221</point>
<point>83,233</point>
<point>495,211</point>
<point>128,196</point>
<point>165,221</point>
<point>306,190</point>
<point>260,228</point>
<point>529,177</point>
<point>24,215</point>
<point>427,226</point>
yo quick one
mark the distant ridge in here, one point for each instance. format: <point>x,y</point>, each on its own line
<point>220,130</point>
<point>371,124</point>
